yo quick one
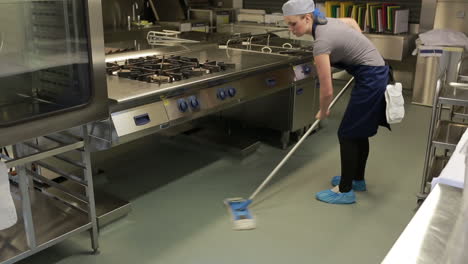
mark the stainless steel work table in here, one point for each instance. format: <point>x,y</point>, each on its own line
<point>425,238</point>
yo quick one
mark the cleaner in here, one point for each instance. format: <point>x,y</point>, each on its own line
<point>242,218</point>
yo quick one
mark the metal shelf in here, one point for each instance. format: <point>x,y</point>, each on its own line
<point>438,164</point>
<point>108,207</point>
<point>454,94</point>
<point>44,220</point>
<point>53,220</point>
<point>444,134</point>
<point>460,112</point>
<point>460,115</point>
<point>448,134</point>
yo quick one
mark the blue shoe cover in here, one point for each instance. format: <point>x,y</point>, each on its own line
<point>332,197</point>
<point>359,186</point>
<point>335,181</point>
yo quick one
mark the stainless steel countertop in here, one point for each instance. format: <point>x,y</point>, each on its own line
<point>123,90</point>
<point>425,238</point>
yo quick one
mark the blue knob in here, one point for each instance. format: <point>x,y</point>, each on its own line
<point>232,91</point>
<point>270,82</point>
<point>194,102</point>
<point>221,94</point>
<point>306,69</point>
<point>182,104</point>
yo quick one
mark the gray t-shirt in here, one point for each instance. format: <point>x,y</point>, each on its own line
<point>345,45</point>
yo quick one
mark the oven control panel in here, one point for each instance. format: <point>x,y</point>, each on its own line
<point>140,118</point>
<point>174,110</point>
<point>204,101</point>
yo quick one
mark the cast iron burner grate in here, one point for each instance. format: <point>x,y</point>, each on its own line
<point>154,69</point>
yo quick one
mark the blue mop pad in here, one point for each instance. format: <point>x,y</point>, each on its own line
<point>241,217</point>
<point>359,186</point>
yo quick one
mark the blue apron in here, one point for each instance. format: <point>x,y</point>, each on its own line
<point>366,107</point>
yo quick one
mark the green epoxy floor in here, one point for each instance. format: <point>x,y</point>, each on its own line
<point>178,217</point>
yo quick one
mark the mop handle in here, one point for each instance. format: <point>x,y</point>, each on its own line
<point>312,128</point>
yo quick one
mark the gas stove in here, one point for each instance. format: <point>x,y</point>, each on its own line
<point>162,69</point>
<point>156,89</point>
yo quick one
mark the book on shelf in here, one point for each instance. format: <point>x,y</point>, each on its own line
<point>378,17</point>
<point>401,21</point>
<point>345,9</point>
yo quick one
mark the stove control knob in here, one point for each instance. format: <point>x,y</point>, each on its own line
<point>194,102</point>
<point>221,94</point>
<point>182,104</point>
<point>306,69</point>
<point>232,91</point>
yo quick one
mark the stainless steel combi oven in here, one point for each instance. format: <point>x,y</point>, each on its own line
<point>52,69</point>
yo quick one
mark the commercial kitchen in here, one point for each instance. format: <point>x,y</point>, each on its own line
<point>127,125</point>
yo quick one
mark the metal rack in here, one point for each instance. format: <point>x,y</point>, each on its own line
<point>444,134</point>
<point>166,37</point>
<point>266,43</point>
<point>48,218</point>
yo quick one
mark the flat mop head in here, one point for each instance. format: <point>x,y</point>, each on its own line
<point>241,217</point>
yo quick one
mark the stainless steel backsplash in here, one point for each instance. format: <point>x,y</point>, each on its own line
<point>116,12</point>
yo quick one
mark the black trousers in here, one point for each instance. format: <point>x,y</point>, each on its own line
<point>354,153</point>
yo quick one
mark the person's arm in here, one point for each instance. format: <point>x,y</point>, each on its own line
<point>351,22</point>
<point>322,62</point>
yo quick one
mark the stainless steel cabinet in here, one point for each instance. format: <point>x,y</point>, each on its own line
<point>431,69</point>
<point>291,110</point>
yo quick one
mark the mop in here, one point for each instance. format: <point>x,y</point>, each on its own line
<point>241,217</point>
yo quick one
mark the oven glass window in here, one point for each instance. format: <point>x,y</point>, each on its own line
<point>44,60</point>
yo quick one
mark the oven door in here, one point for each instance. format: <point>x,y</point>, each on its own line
<point>51,67</point>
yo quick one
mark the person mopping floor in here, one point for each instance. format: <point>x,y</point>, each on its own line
<point>338,43</point>
<point>241,217</point>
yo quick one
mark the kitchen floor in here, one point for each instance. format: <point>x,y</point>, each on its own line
<point>176,191</point>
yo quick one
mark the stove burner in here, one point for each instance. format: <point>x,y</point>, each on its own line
<point>159,79</point>
<point>160,70</point>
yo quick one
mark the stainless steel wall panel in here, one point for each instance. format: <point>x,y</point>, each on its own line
<point>452,15</point>
<point>268,5</point>
<point>393,47</point>
<point>170,10</point>
<point>115,12</point>
<point>428,10</point>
